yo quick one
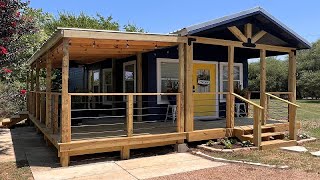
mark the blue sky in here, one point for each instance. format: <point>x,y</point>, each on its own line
<point>168,15</point>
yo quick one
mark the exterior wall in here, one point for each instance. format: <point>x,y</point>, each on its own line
<point>149,74</point>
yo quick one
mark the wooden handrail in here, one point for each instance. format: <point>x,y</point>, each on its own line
<point>283,100</point>
<point>209,93</point>
<point>271,92</point>
<point>122,94</point>
<point>247,101</point>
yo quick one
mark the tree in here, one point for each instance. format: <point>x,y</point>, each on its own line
<point>66,19</point>
<point>308,72</point>
<point>13,25</point>
<point>277,75</point>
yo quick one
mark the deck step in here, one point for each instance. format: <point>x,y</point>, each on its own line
<point>15,119</point>
<point>277,144</point>
<point>264,136</point>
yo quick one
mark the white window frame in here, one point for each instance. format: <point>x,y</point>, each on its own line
<point>103,84</point>
<point>135,76</point>
<point>159,61</point>
<point>221,64</point>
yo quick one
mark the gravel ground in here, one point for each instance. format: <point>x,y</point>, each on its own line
<point>242,172</point>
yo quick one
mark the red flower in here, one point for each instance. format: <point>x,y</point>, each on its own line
<point>14,24</point>
<point>3,50</point>
<point>23,91</point>
<point>18,14</point>
<point>6,70</point>
<point>2,4</point>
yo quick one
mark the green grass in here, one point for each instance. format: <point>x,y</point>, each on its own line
<point>309,115</point>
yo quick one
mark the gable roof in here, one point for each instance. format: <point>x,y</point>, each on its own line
<point>258,14</point>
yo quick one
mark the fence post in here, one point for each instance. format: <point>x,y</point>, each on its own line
<point>257,126</point>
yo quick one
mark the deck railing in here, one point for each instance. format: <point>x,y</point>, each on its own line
<point>257,112</point>
<point>126,115</point>
<point>47,113</point>
<point>290,114</point>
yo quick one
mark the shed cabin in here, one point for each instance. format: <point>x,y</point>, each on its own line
<point>116,91</point>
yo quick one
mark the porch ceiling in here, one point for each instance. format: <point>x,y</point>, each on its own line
<point>90,46</point>
<point>88,51</point>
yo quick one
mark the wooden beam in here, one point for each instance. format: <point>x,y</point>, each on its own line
<point>121,141</point>
<point>48,90</point>
<point>207,134</point>
<point>139,85</point>
<point>66,119</point>
<point>49,44</point>
<point>258,36</point>
<point>248,30</point>
<point>292,97</point>
<point>181,86</point>
<point>122,36</point>
<point>235,31</point>
<point>221,42</point>
<point>263,79</point>
<point>230,98</point>
<point>189,119</point>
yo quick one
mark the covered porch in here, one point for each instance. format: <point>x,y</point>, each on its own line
<point>79,123</point>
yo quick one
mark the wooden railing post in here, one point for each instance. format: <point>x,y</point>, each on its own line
<point>125,150</point>
<point>230,98</point>
<point>65,119</point>
<point>257,126</point>
<point>188,102</point>
<point>37,92</point>
<point>48,91</point>
<point>180,126</point>
<point>181,87</point>
<point>292,96</point>
<point>139,85</point>
<point>55,114</point>
<point>129,115</point>
<point>263,74</point>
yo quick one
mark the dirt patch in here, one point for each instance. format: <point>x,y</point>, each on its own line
<point>241,172</point>
<point>15,171</point>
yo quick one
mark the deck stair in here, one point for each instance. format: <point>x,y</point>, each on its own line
<point>15,119</point>
<point>270,138</point>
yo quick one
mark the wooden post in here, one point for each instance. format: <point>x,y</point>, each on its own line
<point>139,87</point>
<point>55,114</point>
<point>248,30</point>
<point>65,120</point>
<point>263,77</point>
<point>189,120</point>
<point>32,99</point>
<point>257,126</point>
<point>125,151</point>
<point>292,96</point>
<point>230,98</point>
<point>37,92</point>
<point>114,85</point>
<point>42,107</point>
<point>28,90</point>
<point>180,126</point>
<point>48,93</point>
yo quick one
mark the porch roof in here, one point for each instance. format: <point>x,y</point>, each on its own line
<point>88,46</point>
<point>260,17</point>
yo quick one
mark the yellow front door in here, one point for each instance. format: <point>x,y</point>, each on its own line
<point>204,86</point>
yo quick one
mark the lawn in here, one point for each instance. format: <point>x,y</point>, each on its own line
<point>309,115</point>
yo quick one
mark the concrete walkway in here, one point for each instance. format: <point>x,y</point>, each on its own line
<point>24,144</point>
